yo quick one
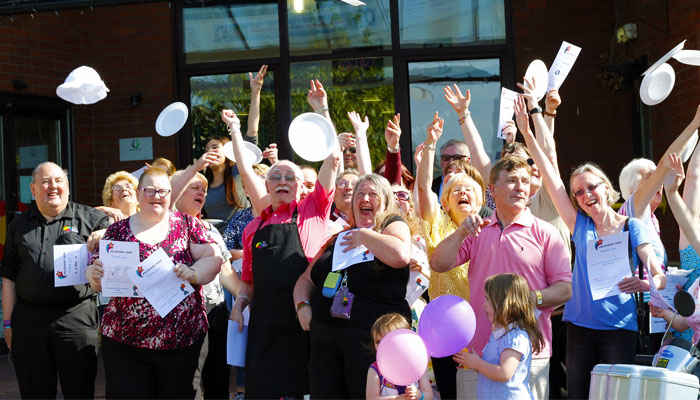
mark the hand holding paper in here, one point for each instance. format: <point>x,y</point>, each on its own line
<point>506,111</point>
<point>568,53</point>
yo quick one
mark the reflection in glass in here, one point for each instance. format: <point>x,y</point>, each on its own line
<point>211,94</point>
<point>426,83</point>
<point>37,139</point>
<point>439,23</point>
<point>221,33</point>
<point>327,26</point>
<point>364,85</point>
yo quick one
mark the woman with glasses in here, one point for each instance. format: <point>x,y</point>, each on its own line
<point>147,355</point>
<point>603,330</point>
<point>119,196</point>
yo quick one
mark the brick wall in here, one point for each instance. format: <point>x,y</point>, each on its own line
<point>131,47</point>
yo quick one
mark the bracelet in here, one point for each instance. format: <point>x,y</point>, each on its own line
<point>393,149</point>
<point>422,395</point>
<point>195,276</point>
<point>321,110</point>
<point>6,323</point>
<point>302,304</point>
<point>535,110</point>
<point>428,147</point>
<point>550,114</point>
<point>229,127</point>
<point>464,118</point>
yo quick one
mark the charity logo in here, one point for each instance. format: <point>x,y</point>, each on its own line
<point>139,271</point>
<point>598,243</point>
<point>365,254</point>
<point>182,287</point>
<point>110,246</point>
<point>135,289</point>
<point>135,144</point>
<point>70,229</point>
<point>261,245</point>
<point>567,49</point>
<point>61,275</point>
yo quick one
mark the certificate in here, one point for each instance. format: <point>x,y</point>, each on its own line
<point>507,109</point>
<point>236,342</point>
<point>674,276</point>
<point>117,258</point>
<point>608,264</point>
<point>69,264</point>
<point>417,285</point>
<point>568,53</point>
<point>157,281</point>
<point>355,256</point>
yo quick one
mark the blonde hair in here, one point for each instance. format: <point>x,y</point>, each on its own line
<point>465,179</point>
<point>111,180</point>
<point>416,225</point>
<point>387,323</point>
<point>612,195</point>
<point>511,301</point>
<point>164,164</point>
<point>157,171</point>
<point>387,204</point>
<point>197,175</point>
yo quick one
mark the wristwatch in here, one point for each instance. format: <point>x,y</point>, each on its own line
<point>539,297</point>
<point>537,109</point>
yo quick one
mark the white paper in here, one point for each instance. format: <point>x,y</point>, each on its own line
<point>237,265</point>
<point>157,281</point>
<point>355,256</point>
<point>236,344</point>
<point>69,264</point>
<point>568,53</point>
<point>608,264</point>
<point>117,258</point>
<point>674,276</point>
<point>137,174</point>
<point>507,109</point>
<point>417,285</point>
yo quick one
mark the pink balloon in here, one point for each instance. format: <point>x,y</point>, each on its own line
<point>447,325</point>
<point>402,357</point>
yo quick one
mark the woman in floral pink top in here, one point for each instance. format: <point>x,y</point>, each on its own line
<point>145,355</point>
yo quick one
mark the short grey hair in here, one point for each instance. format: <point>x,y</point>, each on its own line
<point>36,169</point>
<point>631,176</point>
<point>456,143</point>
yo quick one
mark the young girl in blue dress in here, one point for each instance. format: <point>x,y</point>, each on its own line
<point>504,370</point>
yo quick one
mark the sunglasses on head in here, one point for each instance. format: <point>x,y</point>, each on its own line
<point>449,157</point>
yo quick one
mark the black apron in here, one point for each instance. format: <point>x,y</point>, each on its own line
<point>277,354</point>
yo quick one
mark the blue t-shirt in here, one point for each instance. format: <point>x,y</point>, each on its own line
<point>517,386</point>
<point>616,312</point>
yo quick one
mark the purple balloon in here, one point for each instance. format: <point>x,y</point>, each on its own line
<point>447,325</point>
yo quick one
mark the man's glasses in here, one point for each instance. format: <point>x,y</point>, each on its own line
<point>589,189</point>
<point>278,177</point>
<point>452,157</point>
<point>150,192</point>
<point>119,188</point>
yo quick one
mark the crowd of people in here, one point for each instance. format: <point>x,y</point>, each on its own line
<point>267,239</point>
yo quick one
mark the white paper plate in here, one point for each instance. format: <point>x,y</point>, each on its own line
<point>688,57</point>
<point>251,152</point>
<point>665,58</point>
<point>312,137</point>
<point>690,147</point>
<point>657,85</point>
<point>82,86</point>
<point>172,119</point>
<point>538,70</point>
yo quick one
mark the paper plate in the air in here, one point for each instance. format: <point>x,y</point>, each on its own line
<point>657,85</point>
<point>172,119</point>
<point>312,137</point>
<point>690,147</point>
<point>665,58</point>
<point>538,70</point>
<point>251,152</point>
<point>689,57</point>
<point>82,86</point>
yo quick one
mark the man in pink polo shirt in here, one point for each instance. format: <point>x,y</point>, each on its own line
<point>511,241</point>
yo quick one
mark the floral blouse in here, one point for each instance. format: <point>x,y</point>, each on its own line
<point>233,234</point>
<point>133,321</point>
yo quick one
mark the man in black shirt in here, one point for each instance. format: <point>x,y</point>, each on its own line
<point>50,330</point>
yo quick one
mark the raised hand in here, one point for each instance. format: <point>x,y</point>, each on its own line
<point>358,124</point>
<point>434,130</point>
<point>509,131</point>
<point>529,89</point>
<point>317,97</point>
<point>521,117</point>
<point>392,134</point>
<point>231,120</point>
<point>256,83</point>
<point>270,153</point>
<point>418,154</point>
<point>345,140</point>
<point>552,101</point>
<point>675,175</point>
<point>459,102</point>
<point>210,157</point>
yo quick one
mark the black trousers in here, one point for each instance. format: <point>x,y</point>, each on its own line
<point>51,340</point>
<point>445,369</point>
<point>216,372</point>
<point>557,370</point>
<point>587,347</point>
<point>134,373</point>
<point>340,358</point>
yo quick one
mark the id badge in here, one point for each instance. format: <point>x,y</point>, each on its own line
<point>342,301</point>
<point>330,286</point>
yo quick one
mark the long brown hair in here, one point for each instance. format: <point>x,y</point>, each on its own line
<point>229,179</point>
<point>510,299</point>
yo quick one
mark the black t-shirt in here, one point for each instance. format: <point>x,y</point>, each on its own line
<point>378,289</point>
<point>28,256</point>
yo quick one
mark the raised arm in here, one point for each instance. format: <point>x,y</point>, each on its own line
<point>544,136</point>
<point>392,134</point>
<point>328,171</point>
<point>688,222</point>
<point>318,99</point>
<point>180,181</point>
<point>364,162</point>
<point>552,101</point>
<point>256,84</point>
<point>555,186</point>
<point>255,187</point>
<point>460,104</point>
<point>649,187</point>
<point>427,206</point>
<point>691,193</point>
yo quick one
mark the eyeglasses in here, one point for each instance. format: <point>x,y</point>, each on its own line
<point>403,196</point>
<point>150,192</point>
<point>119,188</point>
<point>589,189</point>
<point>278,177</point>
<point>345,184</point>
<point>454,157</point>
<point>352,149</point>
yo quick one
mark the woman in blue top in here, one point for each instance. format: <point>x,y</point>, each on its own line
<point>604,330</point>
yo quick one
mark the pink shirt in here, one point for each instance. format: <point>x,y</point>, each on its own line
<point>312,220</point>
<point>529,247</point>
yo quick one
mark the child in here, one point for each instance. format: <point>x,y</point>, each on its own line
<point>377,386</point>
<point>504,371</point>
